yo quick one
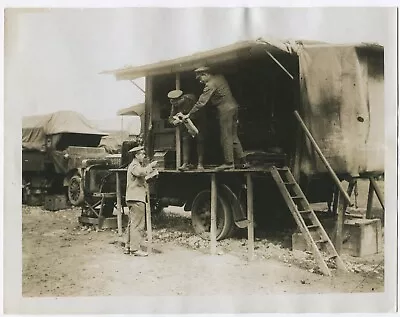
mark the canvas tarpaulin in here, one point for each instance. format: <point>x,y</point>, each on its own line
<point>112,143</point>
<point>342,105</point>
<point>135,110</point>
<point>36,128</point>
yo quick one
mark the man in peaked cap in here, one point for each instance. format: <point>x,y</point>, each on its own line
<point>201,70</point>
<point>183,103</point>
<point>217,92</point>
<point>136,189</point>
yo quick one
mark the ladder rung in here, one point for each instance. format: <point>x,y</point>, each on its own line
<point>332,257</point>
<point>306,219</point>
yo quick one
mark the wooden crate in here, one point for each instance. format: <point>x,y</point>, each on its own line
<point>364,237</point>
<point>165,159</point>
<point>55,202</point>
<point>35,200</point>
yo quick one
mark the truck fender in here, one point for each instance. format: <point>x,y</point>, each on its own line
<point>239,214</point>
<point>77,171</point>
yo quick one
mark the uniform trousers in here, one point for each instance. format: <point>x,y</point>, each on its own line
<point>228,122</point>
<point>136,224</point>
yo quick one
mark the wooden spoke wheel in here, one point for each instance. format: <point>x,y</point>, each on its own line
<point>75,191</point>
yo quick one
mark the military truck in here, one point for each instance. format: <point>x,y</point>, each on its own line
<point>337,91</point>
<point>56,147</point>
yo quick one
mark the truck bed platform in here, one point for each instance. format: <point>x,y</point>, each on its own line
<point>264,169</point>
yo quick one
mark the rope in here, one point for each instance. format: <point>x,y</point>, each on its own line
<point>356,195</point>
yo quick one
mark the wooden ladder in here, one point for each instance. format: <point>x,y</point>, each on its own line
<point>307,221</point>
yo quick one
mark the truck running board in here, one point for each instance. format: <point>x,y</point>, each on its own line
<point>308,223</point>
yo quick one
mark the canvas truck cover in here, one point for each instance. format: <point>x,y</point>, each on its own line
<point>135,110</point>
<point>342,92</point>
<point>36,128</point>
<point>112,143</point>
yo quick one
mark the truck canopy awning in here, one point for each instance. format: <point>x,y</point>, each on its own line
<point>224,54</point>
<point>135,110</point>
<point>206,58</point>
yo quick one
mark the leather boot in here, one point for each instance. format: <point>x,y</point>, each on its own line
<point>184,167</point>
<point>226,166</point>
<point>200,165</point>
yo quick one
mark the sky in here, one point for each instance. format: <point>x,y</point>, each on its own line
<point>53,57</point>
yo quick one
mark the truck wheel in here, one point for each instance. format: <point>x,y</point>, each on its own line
<point>75,191</point>
<point>201,216</point>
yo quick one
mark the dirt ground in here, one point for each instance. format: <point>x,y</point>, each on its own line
<point>63,258</point>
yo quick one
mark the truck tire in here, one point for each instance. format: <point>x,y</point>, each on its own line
<point>76,195</point>
<point>201,216</point>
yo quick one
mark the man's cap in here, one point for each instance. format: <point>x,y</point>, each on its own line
<point>202,69</point>
<point>136,149</point>
<point>175,94</point>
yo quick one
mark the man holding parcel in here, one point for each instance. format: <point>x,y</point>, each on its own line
<point>181,104</point>
<point>217,92</point>
<point>136,190</point>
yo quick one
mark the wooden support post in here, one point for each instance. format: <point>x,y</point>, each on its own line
<point>377,191</point>
<point>341,216</point>
<point>370,200</point>
<point>119,204</point>
<point>213,229</point>
<point>148,119</point>
<point>250,217</point>
<point>178,147</point>
<point>339,225</point>
<point>177,129</point>
<point>177,81</point>
<point>148,222</point>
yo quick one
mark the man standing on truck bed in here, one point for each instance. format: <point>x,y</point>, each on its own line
<point>183,103</point>
<point>218,93</point>
<point>136,189</point>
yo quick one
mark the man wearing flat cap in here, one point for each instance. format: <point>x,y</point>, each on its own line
<point>217,92</point>
<point>183,103</point>
<point>136,189</point>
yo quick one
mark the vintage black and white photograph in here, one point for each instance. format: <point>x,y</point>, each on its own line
<point>200,159</point>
